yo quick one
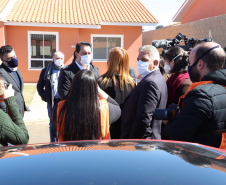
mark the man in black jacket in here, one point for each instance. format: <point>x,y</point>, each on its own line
<point>47,87</point>
<point>137,121</point>
<point>82,60</point>
<point>12,75</point>
<point>202,118</point>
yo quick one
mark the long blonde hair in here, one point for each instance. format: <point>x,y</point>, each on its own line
<point>118,63</point>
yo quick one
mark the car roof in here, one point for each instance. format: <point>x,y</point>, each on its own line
<point>113,162</point>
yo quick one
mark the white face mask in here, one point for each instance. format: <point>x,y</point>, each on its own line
<point>142,67</point>
<point>85,60</point>
<point>59,62</point>
<point>167,68</point>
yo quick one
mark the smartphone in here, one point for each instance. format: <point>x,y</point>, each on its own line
<point>6,84</point>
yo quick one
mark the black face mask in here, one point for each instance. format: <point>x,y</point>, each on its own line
<point>12,63</point>
<point>194,75</point>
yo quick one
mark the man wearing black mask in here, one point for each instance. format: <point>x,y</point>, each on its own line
<point>202,118</point>
<point>12,75</point>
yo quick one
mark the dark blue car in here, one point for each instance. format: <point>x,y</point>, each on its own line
<point>113,162</point>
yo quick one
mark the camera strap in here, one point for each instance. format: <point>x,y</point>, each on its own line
<point>192,86</point>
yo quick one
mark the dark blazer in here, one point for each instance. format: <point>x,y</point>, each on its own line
<point>114,91</point>
<point>137,121</point>
<point>202,118</point>
<point>119,96</point>
<point>66,76</point>
<point>44,88</point>
<point>9,77</point>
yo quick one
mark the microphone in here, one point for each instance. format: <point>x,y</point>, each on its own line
<point>161,43</point>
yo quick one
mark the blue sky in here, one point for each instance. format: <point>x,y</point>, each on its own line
<point>163,10</point>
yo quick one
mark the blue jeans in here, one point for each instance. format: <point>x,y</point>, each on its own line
<point>52,129</point>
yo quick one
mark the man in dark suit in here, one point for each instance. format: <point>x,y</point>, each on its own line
<point>12,75</point>
<point>47,87</point>
<point>137,121</point>
<point>82,60</point>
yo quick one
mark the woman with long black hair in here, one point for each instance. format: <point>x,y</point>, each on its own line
<point>86,112</point>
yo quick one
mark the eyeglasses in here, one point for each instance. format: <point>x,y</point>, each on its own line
<point>204,54</point>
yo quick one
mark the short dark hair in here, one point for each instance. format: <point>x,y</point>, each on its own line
<point>5,49</point>
<point>180,62</point>
<point>215,59</point>
<point>78,47</point>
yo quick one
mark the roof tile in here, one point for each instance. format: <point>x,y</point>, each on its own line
<point>89,12</point>
<point>3,3</point>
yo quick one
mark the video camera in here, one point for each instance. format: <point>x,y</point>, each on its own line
<point>188,42</point>
<point>167,114</point>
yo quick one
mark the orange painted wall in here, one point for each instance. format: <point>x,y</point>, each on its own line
<point>132,41</point>
<point>17,36</point>
<point>202,9</point>
<point>2,37</point>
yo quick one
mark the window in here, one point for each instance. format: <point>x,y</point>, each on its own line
<point>41,47</point>
<point>102,44</point>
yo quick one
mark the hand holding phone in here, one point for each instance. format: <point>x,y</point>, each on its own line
<point>9,91</point>
<point>6,84</point>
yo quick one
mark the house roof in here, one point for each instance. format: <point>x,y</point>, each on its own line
<point>3,3</point>
<point>183,10</point>
<point>79,12</point>
<point>173,24</point>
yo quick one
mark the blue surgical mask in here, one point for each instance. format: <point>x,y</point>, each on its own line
<point>142,68</point>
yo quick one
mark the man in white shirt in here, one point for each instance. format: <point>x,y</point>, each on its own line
<point>82,60</point>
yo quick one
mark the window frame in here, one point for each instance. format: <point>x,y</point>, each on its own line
<point>29,47</point>
<point>106,35</point>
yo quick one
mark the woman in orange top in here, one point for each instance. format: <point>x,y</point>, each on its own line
<point>86,112</point>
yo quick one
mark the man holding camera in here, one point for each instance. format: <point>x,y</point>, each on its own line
<point>137,120</point>
<point>202,118</point>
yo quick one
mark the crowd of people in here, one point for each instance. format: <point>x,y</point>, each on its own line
<point>119,104</point>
